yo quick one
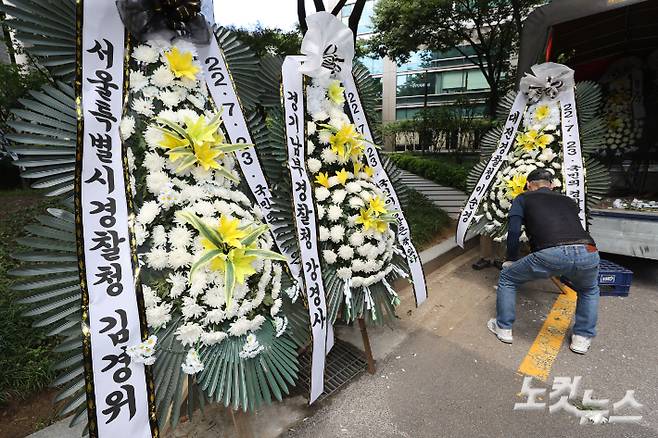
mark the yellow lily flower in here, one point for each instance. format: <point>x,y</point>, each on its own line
<point>516,185</point>
<point>323,179</point>
<point>181,64</point>
<point>544,140</point>
<point>206,156</point>
<point>542,112</point>
<point>342,176</point>
<point>242,264</point>
<point>229,231</point>
<point>369,171</point>
<point>365,219</point>
<point>200,131</point>
<point>345,140</point>
<point>335,93</point>
<point>378,206</point>
<point>380,226</point>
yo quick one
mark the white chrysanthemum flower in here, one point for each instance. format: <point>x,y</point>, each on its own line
<point>157,258</point>
<point>356,202</point>
<point>328,156</point>
<point>321,193</point>
<point>146,54</point>
<point>170,98</point>
<point>364,250</point>
<point>314,165</point>
<point>505,204</point>
<point>329,256</point>
<point>143,107</point>
<point>141,234</point>
<point>153,137</point>
<point>138,80</point>
<point>158,316</point>
<point>345,252</point>
<point>334,213</point>
<point>212,338</point>
<point>189,334</point>
<point>191,309</point>
<point>192,364</point>
<point>251,348</point>
<point>180,258</point>
<point>162,77</point>
<point>150,92</point>
<point>148,212</point>
<point>344,273</point>
<point>547,155</point>
<point>127,127</point>
<point>243,325</point>
<point>180,237</point>
<point>178,284</point>
<point>357,239</point>
<point>204,208</point>
<point>323,233</point>
<point>321,211</point>
<point>336,233</point>
<point>157,182</point>
<point>159,236</point>
<point>280,325</point>
<point>353,187</point>
<point>276,307</point>
<point>338,196</point>
<point>151,299</point>
<point>311,128</point>
<point>196,101</point>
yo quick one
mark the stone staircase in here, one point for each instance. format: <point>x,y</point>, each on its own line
<point>448,199</point>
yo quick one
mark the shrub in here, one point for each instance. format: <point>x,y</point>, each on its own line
<point>425,219</point>
<point>444,170</point>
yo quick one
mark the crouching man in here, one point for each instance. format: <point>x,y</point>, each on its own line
<point>560,247</point>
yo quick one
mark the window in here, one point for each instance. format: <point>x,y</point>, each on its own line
<point>375,66</point>
<point>417,61</point>
<point>452,81</point>
<point>365,25</point>
<point>476,80</point>
<point>406,113</point>
<point>412,85</point>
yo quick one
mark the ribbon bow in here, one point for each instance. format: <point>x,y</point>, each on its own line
<point>328,47</point>
<point>547,81</point>
<point>183,18</point>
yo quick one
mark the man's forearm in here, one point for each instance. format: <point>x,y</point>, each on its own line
<point>513,236</point>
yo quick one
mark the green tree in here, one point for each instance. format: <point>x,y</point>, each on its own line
<point>491,27</point>
<point>272,41</point>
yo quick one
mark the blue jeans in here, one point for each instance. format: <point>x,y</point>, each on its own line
<point>572,261</point>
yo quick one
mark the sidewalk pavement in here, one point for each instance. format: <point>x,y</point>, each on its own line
<point>440,373</point>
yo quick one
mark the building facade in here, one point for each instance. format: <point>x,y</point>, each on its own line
<point>428,79</point>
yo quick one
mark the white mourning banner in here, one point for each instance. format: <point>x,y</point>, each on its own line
<point>384,183</point>
<point>117,390</point>
<point>223,91</point>
<point>549,81</point>
<point>305,219</point>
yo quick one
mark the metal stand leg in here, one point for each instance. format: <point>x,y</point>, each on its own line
<point>366,346</point>
<point>241,424</point>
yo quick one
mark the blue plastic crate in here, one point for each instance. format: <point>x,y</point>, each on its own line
<point>614,280</point>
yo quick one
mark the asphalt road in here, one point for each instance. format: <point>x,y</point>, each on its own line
<point>442,374</point>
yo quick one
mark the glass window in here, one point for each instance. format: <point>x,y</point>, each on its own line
<point>406,113</point>
<point>452,81</point>
<point>411,85</point>
<point>417,61</point>
<point>375,66</point>
<point>476,81</point>
<point>365,25</point>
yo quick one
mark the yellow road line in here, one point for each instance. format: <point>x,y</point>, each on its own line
<point>539,360</point>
